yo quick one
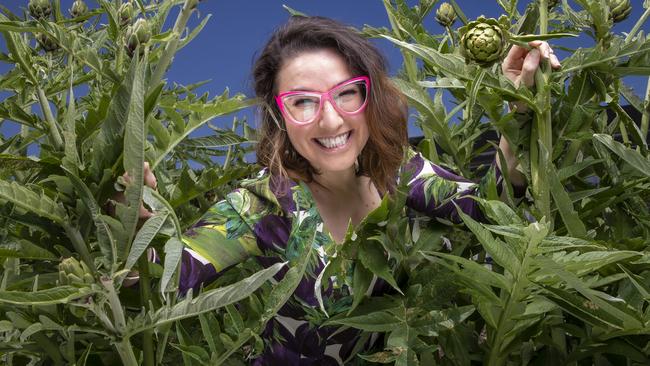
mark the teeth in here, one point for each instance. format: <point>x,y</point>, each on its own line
<point>336,141</point>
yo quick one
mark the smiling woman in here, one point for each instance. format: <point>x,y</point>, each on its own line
<point>318,54</point>
<point>333,144</point>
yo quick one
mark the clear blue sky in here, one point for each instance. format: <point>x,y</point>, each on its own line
<point>224,50</point>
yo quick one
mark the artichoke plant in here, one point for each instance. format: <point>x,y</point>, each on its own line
<point>484,40</point>
<point>138,33</point>
<point>78,8</point>
<point>445,15</point>
<point>125,13</point>
<point>40,9</point>
<point>619,10</point>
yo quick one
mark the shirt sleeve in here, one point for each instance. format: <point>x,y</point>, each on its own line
<point>435,191</point>
<point>223,237</point>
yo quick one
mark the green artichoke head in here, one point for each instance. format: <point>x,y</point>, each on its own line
<point>619,10</point>
<point>78,8</point>
<point>139,33</point>
<point>40,9</point>
<point>445,15</point>
<point>73,272</point>
<point>125,13</point>
<point>484,40</point>
<point>47,43</point>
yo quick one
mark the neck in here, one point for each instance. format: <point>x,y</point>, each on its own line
<point>337,182</point>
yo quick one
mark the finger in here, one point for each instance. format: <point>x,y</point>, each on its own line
<point>515,53</point>
<point>144,213</point>
<point>545,50</point>
<point>127,178</point>
<point>531,63</point>
<point>555,62</point>
<point>149,177</point>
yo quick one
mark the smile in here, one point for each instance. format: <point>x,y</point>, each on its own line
<point>334,142</point>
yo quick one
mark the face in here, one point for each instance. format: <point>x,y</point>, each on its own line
<point>332,142</point>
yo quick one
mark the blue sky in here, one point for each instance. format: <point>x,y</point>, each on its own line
<point>224,51</point>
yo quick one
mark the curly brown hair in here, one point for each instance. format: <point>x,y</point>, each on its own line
<point>386,113</point>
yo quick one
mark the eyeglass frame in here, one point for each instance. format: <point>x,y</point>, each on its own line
<point>327,96</point>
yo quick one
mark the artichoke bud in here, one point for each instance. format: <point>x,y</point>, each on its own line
<point>46,42</point>
<point>445,15</point>
<point>137,34</point>
<point>619,10</point>
<point>483,40</point>
<point>78,8</point>
<point>40,9</point>
<point>73,272</point>
<point>125,13</point>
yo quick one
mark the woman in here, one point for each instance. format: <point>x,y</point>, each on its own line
<point>333,139</point>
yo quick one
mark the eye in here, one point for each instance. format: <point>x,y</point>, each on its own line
<point>348,93</point>
<point>303,103</point>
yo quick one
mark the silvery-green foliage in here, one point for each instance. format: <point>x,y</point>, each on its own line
<point>558,276</point>
<point>94,108</point>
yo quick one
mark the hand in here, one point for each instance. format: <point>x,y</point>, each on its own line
<point>149,181</point>
<point>520,64</point>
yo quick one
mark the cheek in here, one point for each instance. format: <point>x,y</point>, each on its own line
<point>364,132</point>
<point>297,136</point>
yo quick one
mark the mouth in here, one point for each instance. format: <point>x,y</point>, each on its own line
<point>335,141</point>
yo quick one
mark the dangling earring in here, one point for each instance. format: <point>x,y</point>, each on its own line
<point>356,166</point>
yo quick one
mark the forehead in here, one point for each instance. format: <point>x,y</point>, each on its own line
<point>317,70</point>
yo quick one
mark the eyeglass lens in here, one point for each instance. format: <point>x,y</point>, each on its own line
<point>349,98</point>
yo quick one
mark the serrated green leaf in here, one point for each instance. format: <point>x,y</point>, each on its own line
<point>371,254</point>
<point>32,202</point>
<point>204,302</point>
<point>55,295</point>
<point>499,250</point>
<point>25,249</point>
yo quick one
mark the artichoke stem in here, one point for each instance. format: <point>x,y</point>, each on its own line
<point>645,117</point>
<point>55,135</point>
<point>451,36</point>
<point>172,46</point>
<point>542,136</point>
<point>226,163</point>
<point>145,298</point>
<point>638,25</point>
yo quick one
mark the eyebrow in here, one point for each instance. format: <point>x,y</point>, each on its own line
<point>300,88</point>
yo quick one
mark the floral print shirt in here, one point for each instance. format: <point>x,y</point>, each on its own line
<point>257,220</point>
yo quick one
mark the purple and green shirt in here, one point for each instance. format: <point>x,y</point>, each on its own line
<point>255,221</point>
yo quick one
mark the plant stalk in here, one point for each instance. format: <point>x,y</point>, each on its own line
<point>123,345</point>
<point>79,245</point>
<point>172,46</point>
<point>541,137</point>
<point>145,299</point>
<point>114,302</point>
<point>125,350</point>
<point>55,135</point>
<point>226,163</point>
<point>638,25</point>
<point>645,116</point>
<point>451,36</point>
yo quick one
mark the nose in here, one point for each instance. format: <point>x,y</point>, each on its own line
<point>330,118</point>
